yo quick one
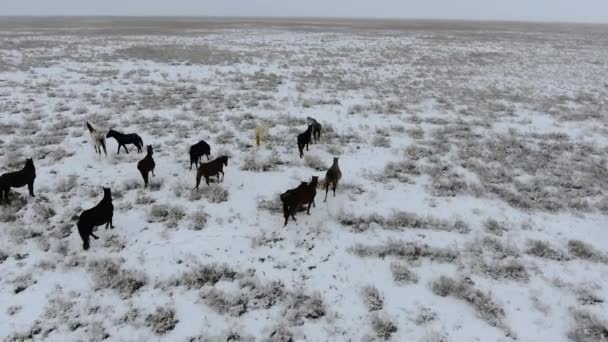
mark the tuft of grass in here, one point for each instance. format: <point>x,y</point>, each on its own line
<point>170,215</point>
<point>588,328</point>
<point>400,220</point>
<point>409,251</point>
<point>383,326</point>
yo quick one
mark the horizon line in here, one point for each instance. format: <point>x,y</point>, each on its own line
<point>354,18</point>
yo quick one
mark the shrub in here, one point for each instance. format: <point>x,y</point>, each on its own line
<point>302,306</point>
<point>233,305</point>
<point>588,328</point>
<point>67,184</point>
<point>406,250</point>
<point>314,162</point>
<point>202,275</point>
<point>485,307</point>
<point>402,274</point>
<point>162,320</point>
<point>542,249</point>
<point>424,316</point>
<point>214,193</point>
<point>585,251</point>
<point>495,227</point>
<point>107,274</point>
<point>400,220</point>
<point>381,141</point>
<point>383,326</point>
<point>170,215</point>
<point>198,220</point>
<point>372,298</point>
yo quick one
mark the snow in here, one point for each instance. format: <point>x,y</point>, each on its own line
<point>313,255</point>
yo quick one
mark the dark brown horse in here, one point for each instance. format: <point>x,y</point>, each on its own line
<point>293,199</point>
<point>18,179</point>
<point>212,168</point>
<point>147,165</point>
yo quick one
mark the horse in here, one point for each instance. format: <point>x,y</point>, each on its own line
<point>18,179</point>
<point>146,165</point>
<point>316,128</point>
<point>97,139</point>
<point>304,140</point>
<point>99,215</point>
<point>124,139</point>
<point>332,177</point>
<point>197,150</point>
<point>261,131</point>
<point>293,199</point>
<point>212,168</point>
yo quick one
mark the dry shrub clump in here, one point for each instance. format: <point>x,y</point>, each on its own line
<point>401,220</point>
<point>486,308</point>
<point>409,251</point>
<point>108,274</point>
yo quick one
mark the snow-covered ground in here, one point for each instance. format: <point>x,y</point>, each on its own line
<point>473,204</point>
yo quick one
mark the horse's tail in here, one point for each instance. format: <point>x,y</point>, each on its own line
<point>91,129</point>
<point>285,208</point>
<point>140,142</point>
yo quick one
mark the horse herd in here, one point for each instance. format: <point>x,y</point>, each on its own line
<point>293,200</point>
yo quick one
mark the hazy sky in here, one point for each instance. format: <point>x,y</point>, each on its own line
<point>560,10</point>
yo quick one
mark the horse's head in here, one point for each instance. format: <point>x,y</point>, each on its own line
<point>225,160</point>
<point>111,133</point>
<point>335,160</point>
<point>150,151</point>
<point>29,162</point>
<point>315,180</point>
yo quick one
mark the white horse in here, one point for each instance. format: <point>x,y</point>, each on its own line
<point>98,139</point>
<point>261,131</point>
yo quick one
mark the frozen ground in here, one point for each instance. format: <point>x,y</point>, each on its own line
<point>473,205</point>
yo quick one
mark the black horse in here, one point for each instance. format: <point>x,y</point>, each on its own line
<point>124,139</point>
<point>18,179</point>
<point>197,151</point>
<point>304,140</point>
<point>99,215</point>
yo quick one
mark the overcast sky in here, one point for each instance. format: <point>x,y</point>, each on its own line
<point>546,10</point>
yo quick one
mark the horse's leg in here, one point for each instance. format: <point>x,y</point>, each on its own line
<point>207,179</point>
<point>198,181</point>
<point>118,149</point>
<point>326,190</point>
<point>308,211</point>
<point>93,235</point>
<point>153,173</point>
<point>125,147</point>
<point>6,192</point>
<point>334,187</point>
<point>30,187</point>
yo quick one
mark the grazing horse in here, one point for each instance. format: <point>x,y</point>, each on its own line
<point>100,214</point>
<point>98,139</point>
<point>293,199</point>
<point>316,128</point>
<point>18,179</point>
<point>197,150</point>
<point>146,165</point>
<point>212,168</point>
<point>124,139</point>
<point>304,140</point>
<point>332,177</point>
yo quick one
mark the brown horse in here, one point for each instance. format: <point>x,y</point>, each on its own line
<point>332,177</point>
<point>212,168</point>
<point>293,199</point>
<point>146,165</point>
